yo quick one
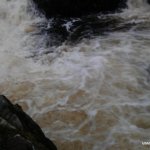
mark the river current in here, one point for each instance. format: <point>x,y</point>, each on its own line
<point>93,95</point>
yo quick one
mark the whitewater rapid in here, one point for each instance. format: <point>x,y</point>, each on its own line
<point>89,96</point>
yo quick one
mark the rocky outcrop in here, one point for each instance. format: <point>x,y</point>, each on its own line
<point>18,131</point>
<point>78,8</point>
<point>73,20</point>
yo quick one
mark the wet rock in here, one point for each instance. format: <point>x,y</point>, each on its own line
<point>77,8</point>
<point>71,21</point>
<point>72,30</point>
<point>91,26</point>
<point>18,131</point>
<point>18,143</point>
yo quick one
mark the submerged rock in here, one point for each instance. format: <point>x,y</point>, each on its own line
<point>72,31</point>
<point>78,8</point>
<point>18,131</point>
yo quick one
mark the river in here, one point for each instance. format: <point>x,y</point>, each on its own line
<point>93,95</point>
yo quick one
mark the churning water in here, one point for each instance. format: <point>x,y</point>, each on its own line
<point>93,95</point>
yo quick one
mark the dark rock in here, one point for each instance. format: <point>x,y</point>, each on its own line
<point>148,1</point>
<point>89,27</point>
<point>18,143</point>
<point>74,30</point>
<point>78,8</point>
<point>18,131</point>
<point>70,21</point>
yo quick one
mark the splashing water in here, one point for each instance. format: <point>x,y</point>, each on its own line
<point>89,96</point>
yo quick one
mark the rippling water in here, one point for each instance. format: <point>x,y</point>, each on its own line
<point>93,95</point>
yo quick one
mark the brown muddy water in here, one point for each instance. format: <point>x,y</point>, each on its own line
<point>94,95</point>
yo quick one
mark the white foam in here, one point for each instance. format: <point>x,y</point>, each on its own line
<point>111,69</point>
